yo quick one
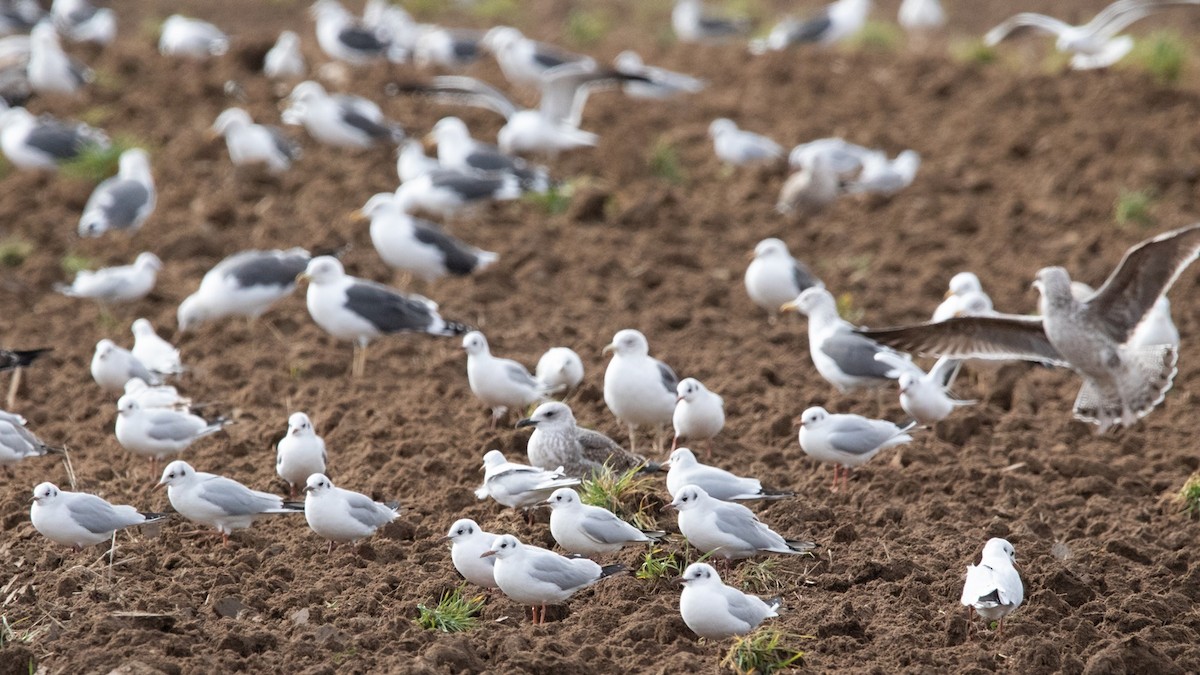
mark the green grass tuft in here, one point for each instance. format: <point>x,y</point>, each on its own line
<point>973,51</point>
<point>1189,495</point>
<point>496,10</point>
<point>553,201</point>
<point>880,36</point>
<point>454,613</point>
<point>1133,207</point>
<point>761,652</point>
<point>664,163</point>
<point>587,27</point>
<point>73,263</point>
<point>847,310</point>
<point>762,576</point>
<point>1163,55</point>
<point>97,163</point>
<point>658,564</point>
<point>14,251</point>
<point>626,494</point>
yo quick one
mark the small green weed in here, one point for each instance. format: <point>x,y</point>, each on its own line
<point>14,251</point>
<point>454,613</point>
<point>626,494</point>
<point>664,163</point>
<point>1133,207</point>
<point>973,51</point>
<point>761,652</point>
<point>847,310</point>
<point>555,200</point>
<point>1189,495</point>
<point>658,564</point>
<point>880,36</point>
<point>1163,55</point>
<point>73,263</point>
<point>586,27</point>
<point>97,163</point>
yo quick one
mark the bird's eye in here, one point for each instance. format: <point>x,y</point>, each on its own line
<point>470,529</point>
<point>550,414</point>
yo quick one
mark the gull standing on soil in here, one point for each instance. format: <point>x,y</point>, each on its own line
<point>847,441</point>
<point>79,519</point>
<point>80,21</point>
<point>715,610</point>
<point>844,158</point>
<point>736,147</point>
<point>250,143</point>
<point>343,515</point>
<point>809,190</point>
<point>416,246</point>
<point>684,469</point>
<point>774,277</point>
<point>693,22</point>
<point>639,389</point>
<point>122,202</point>
<point>158,433</point>
<point>1121,383</point>
<point>918,16</point>
<point>17,442</point>
<point>965,289</point>
<point>727,530</point>
<point>340,120</point>
<point>518,486</point>
<point>124,283</point>
<point>468,544</point>
<point>158,355</point>
<point>534,576</point>
<point>558,441</point>
<point>113,366</point>
<point>342,37</point>
<point>835,22</point>
<point>524,61</point>
<point>660,83</point>
<point>244,284</point>
<point>883,176</point>
<point>445,47</point>
<point>925,397</point>
<point>412,162</point>
<point>193,38</point>
<point>457,150</point>
<point>589,530</point>
<point>993,587</point>
<point>843,357</point>
<point>156,396</point>
<point>560,369</point>
<point>699,413</point>
<point>349,308</point>
<point>500,383</point>
<point>1094,44</point>
<point>43,142</point>
<point>285,61</point>
<point>446,192</point>
<point>50,70</point>
<point>394,23</point>
<point>300,453</point>
<point>217,501</point>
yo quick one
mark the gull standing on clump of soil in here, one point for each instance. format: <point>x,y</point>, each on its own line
<point>534,576</point>
<point>250,143</point>
<point>993,587</point>
<point>699,413</point>
<point>714,610</point>
<point>560,369</point>
<point>684,469</point>
<point>158,432</point>
<point>639,389</point>
<point>113,366</point>
<point>217,501</point>
<point>158,355</point>
<point>18,443</point>
<point>727,530</point>
<point>847,441</point>
<point>300,453</point>
<point>124,201</point>
<point>518,486</point>
<point>557,440</point>
<point>468,544</point>
<point>589,530</point>
<point>343,515</point>
<point>774,277</point>
<point>124,283</point>
<point>79,519</point>
<point>736,147</point>
<point>244,284</point>
<point>1121,382</point>
<point>500,383</point>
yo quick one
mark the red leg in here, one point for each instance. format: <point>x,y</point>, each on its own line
<point>674,443</point>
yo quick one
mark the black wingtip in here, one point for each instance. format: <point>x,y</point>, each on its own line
<point>655,535</point>
<point>27,356</point>
<point>650,467</point>
<point>294,506</point>
<point>776,494</point>
<point>801,546</point>
<point>54,449</point>
<point>152,517</point>
<point>609,570</point>
<point>454,329</point>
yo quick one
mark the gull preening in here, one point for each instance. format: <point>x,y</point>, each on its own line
<point>557,440</point>
<point>684,469</point>
<point>250,143</point>
<point>715,610</point>
<point>534,576</point>
<point>79,519</point>
<point>158,355</point>
<point>560,368</point>
<point>993,588</point>
<point>123,283</point>
<point>113,366</point>
<point>847,441</point>
<point>1121,382</point>
<point>518,486</point>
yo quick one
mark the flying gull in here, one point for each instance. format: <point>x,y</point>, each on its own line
<point>17,442</point>
<point>558,441</point>
<point>699,413</point>
<point>79,519</point>
<point>727,530</point>
<point>774,277</point>
<point>468,544</point>
<point>500,383</point>
<point>219,502</point>
<point>714,610</point>
<point>285,61</point>
<point>847,441</point>
<point>534,576</point>
<point>639,389</point>
<point>693,22</point>
<point>736,147</point>
<point>340,120</point>
<point>589,530</point>
<point>416,246</point>
<point>300,453</point>
<point>1156,329</point>
<point>123,283</point>
<point>244,284</point>
<point>993,587</point>
<point>44,142</point>
<point>192,38</point>
<point>343,515</point>
<point>518,486</point>
<point>657,83</point>
<point>684,469</point>
<point>349,308</point>
<point>524,61</point>
<point>1121,383</point>
<point>251,143</point>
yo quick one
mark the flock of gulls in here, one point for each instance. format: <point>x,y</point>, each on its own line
<point>1119,338</point>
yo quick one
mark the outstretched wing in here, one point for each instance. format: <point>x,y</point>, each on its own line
<point>1001,337</point>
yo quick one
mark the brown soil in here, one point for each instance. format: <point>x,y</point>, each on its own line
<point>1021,169</point>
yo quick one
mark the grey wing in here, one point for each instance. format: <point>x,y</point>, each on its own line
<point>560,571</point>
<point>859,436</point>
<point>1146,272</point>
<point>283,143</point>
<point>96,515</point>
<point>608,529</point>
<point>123,202</point>
<point>804,278</point>
<point>744,607</point>
<point>1021,21</point>
<point>165,425</point>
<point>470,91</point>
<point>485,158</point>
<point>352,116</point>
<point>565,89</point>
<point>855,355</point>
<point>811,30</point>
<point>56,139</point>
<point>458,257</point>
<point>269,268</point>
<point>598,448</point>
<point>1002,337</point>
<point>234,498</point>
<point>738,521</point>
<point>18,439</point>
<point>517,373</point>
<point>361,39</point>
<point>388,310</point>
<point>367,511</point>
<point>468,186</point>
<point>669,379</point>
<point>139,370</point>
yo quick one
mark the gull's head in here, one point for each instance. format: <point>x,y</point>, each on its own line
<point>317,484</point>
<point>974,304</point>
<point>963,283</point>
<point>1053,282</point>
<point>104,348</point>
<point>379,204</point>
<point>720,126</point>
<point>176,473</point>
<point>906,381</point>
<point>475,344</point>
<point>813,416</point>
<point>688,389</point>
<point>142,328</point>
<point>563,497</point>
<point>689,497</point>
<point>999,549</point>
<point>629,342</point>
<point>324,269</point>
<point>15,116</point>
<point>550,415</point>
<point>699,574</point>
<point>500,38</point>
<point>288,39</point>
<point>463,528</point>
<point>628,60</point>
<point>681,458</point>
<point>412,149</point>
<point>449,130</point>
<point>327,8</point>
<point>231,119</point>
<point>147,260</point>
<point>307,92</point>
<point>44,34</point>
<point>127,405</point>
<point>299,425</point>
<point>771,248</point>
<point>191,313</point>
<point>134,162</point>
<point>502,547</point>
<point>493,458</point>
<point>810,301</point>
<point>45,493</point>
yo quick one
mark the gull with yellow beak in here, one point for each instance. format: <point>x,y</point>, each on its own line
<point>417,246</point>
